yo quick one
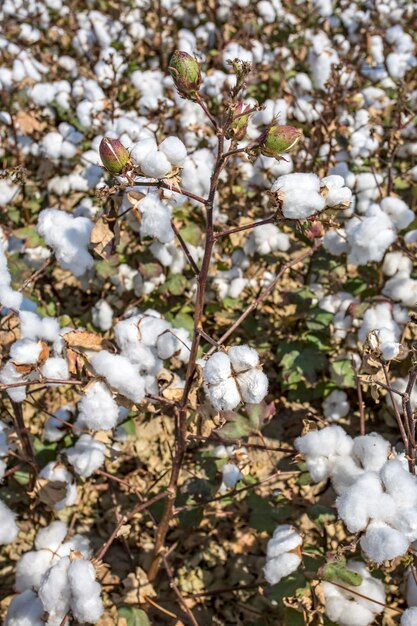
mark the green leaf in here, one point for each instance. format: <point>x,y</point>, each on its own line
<point>337,570</point>
<point>191,234</point>
<point>343,373</point>
<point>183,320</point>
<point>44,451</point>
<point>288,586</point>
<point>22,477</point>
<point>264,516</point>
<point>129,427</point>
<point>176,284</point>
<point>236,427</point>
<point>134,616</point>
<point>293,617</point>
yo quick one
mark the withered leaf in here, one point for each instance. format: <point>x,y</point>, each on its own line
<point>101,237</point>
<point>82,339</point>
<point>50,492</point>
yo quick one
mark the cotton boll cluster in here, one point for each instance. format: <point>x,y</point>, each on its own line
<point>157,161</point>
<point>376,496</point>
<point>54,579</point>
<point>354,606</point>
<point>234,377</point>
<point>69,238</point>
<point>283,554</point>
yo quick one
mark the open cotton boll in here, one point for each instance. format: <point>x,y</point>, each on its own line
<point>401,288</point>
<point>155,164</point>
<point>344,473</point>
<point>102,315</point>
<point>9,298</point>
<point>217,368</point>
<point>328,441</point>
<point>396,262</point>
<point>34,327</point>
<point>363,501</point>
<point>31,567</point>
<point>284,539</point>
<point>9,375</point>
<point>120,374</point>
<point>97,408</point>
<point>174,150</point>
<point>156,219</point>
<point>231,475</point>
<point>370,237</point>
<point>25,351</point>
<point>54,590</point>
<point>69,238</point>
<point>55,368</point>
<point>142,148</point>
<point>383,543</point>
<point>87,455</point>
<point>169,342</point>
<point>411,588</point>
<point>371,451</point>
<point>301,203</point>
<point>336,192</point>
<point>25,609</point>
<point>409,617</point>
<point>86,603</point>
<point>243,358</point>
<point>224,396</point>
<point>253,386</point>
<point>150,326</point>
<point>399,483</point>
<point>335,242</point>
<point>398,211</point>
<point>290,182</point>
<point>51,537</point>
<point>57,472</point>
<point>54,428</point>
<point>277,568</point>
<point>8,527</point>
<point>336,405</point>
<point>266,239</point>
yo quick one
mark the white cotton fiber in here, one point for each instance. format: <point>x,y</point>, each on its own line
<point>231,475</point>
<point>344,472</point>
<point>383,543</point>
<point>69,238</point>
<point>396,262</point>
<point>54,589</point>
<point>217,368</point>
<point>336,405</point>
<point>325,442</point>
<point>409,617</point>
<point>97,408</point>
<point>371,451</point>
<point>370,237</point>
<point>119,373</point>
<point>284,539</point>
<point>57,472</point>
<point>243,358</point>
<point>225,395</point>
<point>253,385</point>
<point>399,483</point>
<point>25,351</point>
<point>102,315</point>
<point>156,219</point>
<point>363,501</point>
<point>300,195</point>
<point>155,164</point>
<point>25,610</point>
<point>86,603</point>
<point>9,298</point>
<point>174,150</point>
<point>86,456</point>
<point>283,565</point>
<point>9,375</point>
<point>8,526</point>
<point>398,211</point>
<point>55,368</point>
<point>31,567</point>
<point>34,327</point>
<point>52,536</point>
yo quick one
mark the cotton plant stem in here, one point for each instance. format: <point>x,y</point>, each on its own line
<point>404,435</point>
<point>185,248</point>
<point>181,411</point>
<point>410,420</point>
<point>238,229</point>
<point>24,436</point>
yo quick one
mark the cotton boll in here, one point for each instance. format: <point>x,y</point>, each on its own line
<point>344,473</point>
<point>217,368</point>
<point>346,612</point>
<point>97,408</point>
<point>253,386</point>
<point>31,567</point>
<point>102,315</point>
<point>8,527</point>
<point>411,588</point>
<point>86,456</point>
<point>371,451</point>
<point>409,617</point>
<point>325,442</point>
<point>34,327</point>
<point>25,609</point>
<point>301,203</point>
<point>266,239</point>
<point>156,219</point>
<point>398,211</point>
<point>9,375</point>
<point>155,164</point>
<point>383,543</point>
<point>55,368</point>
<point>51,537</point>
<point>363,501</point>
<point>174,150</point>
<point>336,405</point>
<point>224,396</point>
<point>54,429</point>
<point>151,326</point>
<point>396,262</point>
<point>281,566</point>
<point>57,472</point>
<point>243,358</point>
<point>25,351</point>
<point>119,373</point>
<point>399,483</point>
<point>284,539</point>
<point>370,237</point>
<point>335,242</point>
<point>86,603</point>
<point>54,591</point>
<point>142,148</point>
<point>231,475</point>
